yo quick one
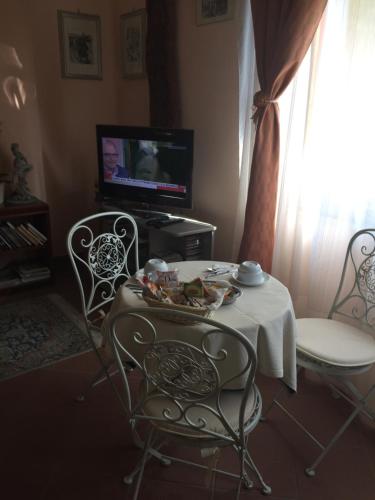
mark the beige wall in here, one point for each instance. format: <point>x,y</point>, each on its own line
<point>69,111</point>
<point>209,83</point>
<point>56,127</point>
<point>17,62</point>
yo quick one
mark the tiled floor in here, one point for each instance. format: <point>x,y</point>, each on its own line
<point>53,448</point>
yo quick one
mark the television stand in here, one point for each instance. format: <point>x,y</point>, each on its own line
<point>143,211</point>
<point>149,214</point>
<point>169,237</point>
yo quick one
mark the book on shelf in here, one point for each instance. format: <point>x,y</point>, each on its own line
<point>5,245</point>
<point>32,236</point>
<point>37,233</point>
<point>8,278</point>
<point>14,236</point>
<point>38,277</point>
<point>5,236</point>
<point>32,266</point>
<point>27,234</point>
<point>11,276</point>
<point>33,271</point>
<point>17,233</point>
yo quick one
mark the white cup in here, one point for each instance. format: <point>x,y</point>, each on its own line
<point>153,265</point>
<point>250,272</point>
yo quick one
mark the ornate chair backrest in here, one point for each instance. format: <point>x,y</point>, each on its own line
<point>355,297</point>
<point>185,378</point>
<point>103,249</point>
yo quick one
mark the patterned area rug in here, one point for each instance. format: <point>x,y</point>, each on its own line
<point>37,332</point>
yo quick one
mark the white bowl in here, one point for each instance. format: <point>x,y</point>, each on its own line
<point>250,272</point>
<point>249,266</point>
<point>153,265</point>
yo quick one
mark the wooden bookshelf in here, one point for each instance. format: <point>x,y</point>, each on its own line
<point>29,226</point>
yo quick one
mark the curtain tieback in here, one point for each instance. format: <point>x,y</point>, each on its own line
<point>260,100</point>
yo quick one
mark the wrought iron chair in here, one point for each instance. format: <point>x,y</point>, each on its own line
<point>337,350</point>
<point>182,395</point>
<point>103,249</point>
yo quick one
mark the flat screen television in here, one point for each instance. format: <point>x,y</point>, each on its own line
<point>146,166</point>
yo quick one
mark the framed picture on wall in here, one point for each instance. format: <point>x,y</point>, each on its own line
<point>133,44</point>
<point>213,11</point>
<point>80,45</point>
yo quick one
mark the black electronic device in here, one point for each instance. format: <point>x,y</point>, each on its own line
<point>149,166</point>
<point>163,223</point>
<point>155,220</point>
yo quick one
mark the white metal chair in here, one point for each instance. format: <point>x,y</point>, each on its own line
<point>337,350</point>
<point>103,249</point>
<point>182,395</point>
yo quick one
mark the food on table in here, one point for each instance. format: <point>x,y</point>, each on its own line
<point>197,293</point>
<point>194,294</point>
<point>231,292</point>
<point>166,278</point>
<point>195,288</point>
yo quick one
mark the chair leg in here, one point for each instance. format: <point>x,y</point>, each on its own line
<point>140,468</point>
<point>358,397</point>
<point>153,451</point>
<point>241,456</point>
<point>283,388</point>
<point>266,490</point>
<point>360,408</point>
<point>102,375</point>
<point>265,412</point>
<point>213,484</point>
<point>98,378</point>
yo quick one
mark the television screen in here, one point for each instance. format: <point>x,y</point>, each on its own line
<point>147,165</point>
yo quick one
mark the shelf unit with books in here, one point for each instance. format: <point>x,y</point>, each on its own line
<point>25,245</point>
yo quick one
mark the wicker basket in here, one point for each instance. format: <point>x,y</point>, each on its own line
<point>199,311</point>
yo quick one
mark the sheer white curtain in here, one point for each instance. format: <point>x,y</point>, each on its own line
<point>327,177</point>
<point>246,82</point>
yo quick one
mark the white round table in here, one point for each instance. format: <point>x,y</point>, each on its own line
<point>264,314</point>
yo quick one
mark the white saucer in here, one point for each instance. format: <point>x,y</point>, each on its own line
<point>266,277</point>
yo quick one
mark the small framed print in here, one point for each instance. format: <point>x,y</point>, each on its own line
<point>213,11</point>
<point>80,45</point>
<point>133,42</point>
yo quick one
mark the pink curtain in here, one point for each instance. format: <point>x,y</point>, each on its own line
<point>283,31</point>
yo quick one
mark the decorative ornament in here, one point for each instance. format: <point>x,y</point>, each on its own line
<point>21,167</point>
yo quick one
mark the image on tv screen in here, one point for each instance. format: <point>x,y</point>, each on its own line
<point>146,164</point>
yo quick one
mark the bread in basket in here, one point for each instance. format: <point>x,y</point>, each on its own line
<point>164,300</point>
<point>200,311</point>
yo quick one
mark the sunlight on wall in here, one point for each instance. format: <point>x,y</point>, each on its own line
<point>9,56</point>
<point>14,90</point>
<point>13,86</point>
<point>19,109</point>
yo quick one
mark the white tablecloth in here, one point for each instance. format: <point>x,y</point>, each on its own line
<point>263,313</point>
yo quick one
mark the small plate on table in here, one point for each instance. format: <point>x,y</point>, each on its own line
<point>233,293</point>
<point>266,277</point>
